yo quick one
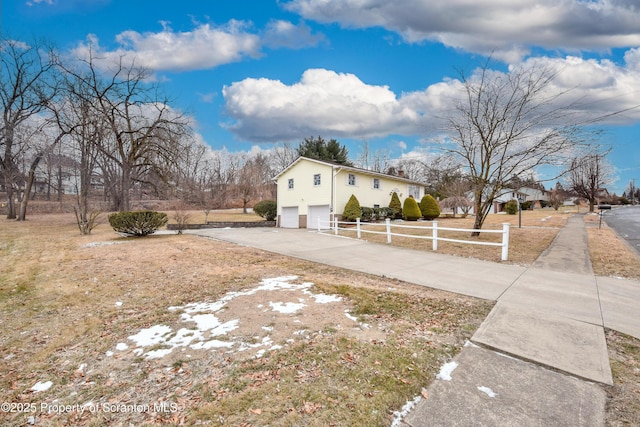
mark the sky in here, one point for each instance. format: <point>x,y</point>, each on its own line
<point>254,73</point>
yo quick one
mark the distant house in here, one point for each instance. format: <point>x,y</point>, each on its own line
<point>537,196</point>
<point>312,192</point>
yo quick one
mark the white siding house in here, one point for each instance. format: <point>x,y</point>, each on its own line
<point>311,190</point>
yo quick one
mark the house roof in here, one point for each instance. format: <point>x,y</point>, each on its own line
<point>348,169</point>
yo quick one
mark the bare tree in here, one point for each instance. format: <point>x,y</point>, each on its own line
<point>25,91</point>
<point>505,125</point>
<point>589,174</point>
<point>377,161</point>
<point>254,180</point>
<point>144,133</point>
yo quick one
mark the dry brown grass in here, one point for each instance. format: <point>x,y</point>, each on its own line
<point>58,295</point>
<point>539,228</point>
<point>222,215</point>
<point>610,254</point>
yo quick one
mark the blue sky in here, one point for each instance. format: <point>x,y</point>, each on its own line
<point>259,72</point>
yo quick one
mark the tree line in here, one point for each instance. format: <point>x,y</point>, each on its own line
<point>110,127</point>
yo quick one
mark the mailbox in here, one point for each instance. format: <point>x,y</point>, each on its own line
<point>604,207</point>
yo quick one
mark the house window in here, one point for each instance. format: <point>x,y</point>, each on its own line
<point>351,179</point>
<point>290,183</point>
<point>376,183</point>
<point>414,190</point>
<point>376,206</point>
<point>316,179</point>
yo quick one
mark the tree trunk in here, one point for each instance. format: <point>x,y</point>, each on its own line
<point>22,215</point>
<point>11,207</point>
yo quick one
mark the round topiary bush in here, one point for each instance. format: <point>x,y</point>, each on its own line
<point>137,223</point>
<point>395,205</point>
<point>352,209</point>
<point>511,207</point>
<point>429,207</point>
<point>411,210</point>
<point>267,209</point>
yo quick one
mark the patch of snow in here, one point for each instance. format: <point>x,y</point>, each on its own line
<point>151,336</point>
<point>118,303</point>
<point>326,299</point>
<point>109,353</point>
<point>121,346</point>
<point>446,370</point>
<point>468,343</point>
<point>349,316</point>
<point>96,244</point>
<point>487,391</point>
<point>399,415</point>
<point>207,325</point>
<point>41,386</point>
<point>286,308</point>
<point>157,354</point>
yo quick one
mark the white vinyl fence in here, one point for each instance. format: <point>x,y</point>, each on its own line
<point>335,226</point>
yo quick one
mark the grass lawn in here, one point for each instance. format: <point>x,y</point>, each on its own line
<point>324,347</point>
<point>70,303</point>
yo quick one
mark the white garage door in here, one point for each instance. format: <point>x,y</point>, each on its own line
<point>289,217</point>
<point>321,213</point>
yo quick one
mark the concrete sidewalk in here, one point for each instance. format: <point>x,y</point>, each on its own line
<point>543,357</point>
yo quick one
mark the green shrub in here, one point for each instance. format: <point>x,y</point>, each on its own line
<point>267,209</point>
<point>511,207</point>
<point>395,205</point>
<point>411,210</point>
<point>137,223</point>
<point>383,213</point>
<point>368,214</point>
<point>429,207</point>
<point>352,209</point>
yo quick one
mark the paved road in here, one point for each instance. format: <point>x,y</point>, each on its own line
<point>626,221</point>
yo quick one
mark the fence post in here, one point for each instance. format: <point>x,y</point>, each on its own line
<point>320,228</point>
<point>505,241</point>
<point>435,235</point>
<point>358,227</point>
<point>388,222</point>
<point>335,226</point>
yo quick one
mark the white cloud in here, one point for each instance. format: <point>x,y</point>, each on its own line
<point>323,102</point>
<point>284,34</point>
<point>632,59</point>
<point>506,28</point>
<point>206,46</point>
<point>341,105</point>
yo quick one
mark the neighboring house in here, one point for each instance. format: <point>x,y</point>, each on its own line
<point>312,192</point>
<point>525,194</point>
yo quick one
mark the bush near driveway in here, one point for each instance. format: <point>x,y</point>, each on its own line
<point>267,209</point>
<point>138,223</point>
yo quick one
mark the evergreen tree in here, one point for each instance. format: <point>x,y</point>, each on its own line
<point>352,209</point>
<point>429,207</point>
<point>395,205</point>
<point>319,149</point>
<point>411,210</point>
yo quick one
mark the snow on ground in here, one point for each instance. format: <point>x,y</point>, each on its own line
<point>96,244</point>
<point>446,370</point>
<point>398,416</point>
<point>487,391</point>
<point>41,386</point>
<point>204,330</point>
